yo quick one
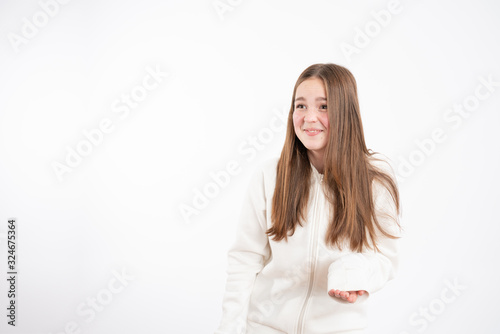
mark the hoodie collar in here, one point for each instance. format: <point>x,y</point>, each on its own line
<point>316,175</point>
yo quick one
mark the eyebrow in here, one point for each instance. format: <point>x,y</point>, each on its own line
<point>300,98</point>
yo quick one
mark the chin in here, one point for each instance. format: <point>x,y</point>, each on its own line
<point>314,147</point>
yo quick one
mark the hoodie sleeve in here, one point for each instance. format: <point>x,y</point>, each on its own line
<point>370,270</point>
<point>246,258</point>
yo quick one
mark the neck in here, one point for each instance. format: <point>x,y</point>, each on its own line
<point>317,161</point>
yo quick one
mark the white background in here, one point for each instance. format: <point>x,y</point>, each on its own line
<point>228,75</point>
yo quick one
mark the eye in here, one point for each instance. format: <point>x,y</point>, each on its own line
<point>300,106</point>
<point>323,107</point>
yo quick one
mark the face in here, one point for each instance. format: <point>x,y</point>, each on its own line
<point>310,116</point>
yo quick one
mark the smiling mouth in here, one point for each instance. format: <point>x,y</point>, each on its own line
<point>312,132</point>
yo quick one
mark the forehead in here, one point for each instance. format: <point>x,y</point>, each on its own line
<point>310,88</point>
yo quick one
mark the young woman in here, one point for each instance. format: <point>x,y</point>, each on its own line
<point>319,228</point>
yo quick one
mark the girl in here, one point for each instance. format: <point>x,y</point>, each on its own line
<point>318,231</point>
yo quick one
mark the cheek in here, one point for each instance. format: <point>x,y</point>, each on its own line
<point>297,121</point>
<point>324,121</point>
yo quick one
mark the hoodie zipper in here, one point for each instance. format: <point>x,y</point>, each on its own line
<point>314,251</point>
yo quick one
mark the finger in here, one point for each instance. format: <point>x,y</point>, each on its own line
<point>352,296</point>
<point>333,293</point>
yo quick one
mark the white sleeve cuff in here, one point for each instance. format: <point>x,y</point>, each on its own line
<point>349,273</point>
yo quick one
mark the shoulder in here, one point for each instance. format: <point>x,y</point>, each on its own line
<point>269,166</point>
<point>385,198</point>
<point>267,169</point>
<point>382,163</point>
<point>263,179</point>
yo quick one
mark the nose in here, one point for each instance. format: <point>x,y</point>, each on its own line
<point>310,116</point>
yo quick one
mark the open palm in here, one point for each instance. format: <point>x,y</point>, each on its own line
<point>349,296</point>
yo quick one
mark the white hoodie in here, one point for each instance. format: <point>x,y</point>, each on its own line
<point>282,287</point>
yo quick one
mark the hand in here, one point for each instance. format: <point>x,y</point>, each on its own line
<point>349,296</point>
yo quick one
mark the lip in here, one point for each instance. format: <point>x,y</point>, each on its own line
<point>312,132</point>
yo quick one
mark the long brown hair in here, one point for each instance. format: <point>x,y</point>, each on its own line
<point>348,174</point>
